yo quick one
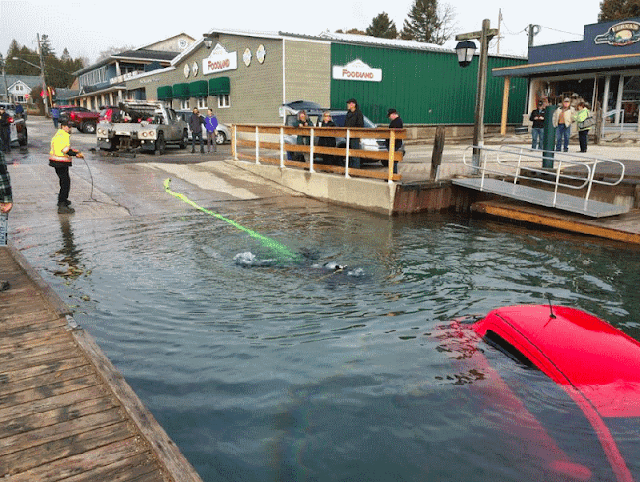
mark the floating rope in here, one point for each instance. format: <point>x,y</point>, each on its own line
<point>275,246</point>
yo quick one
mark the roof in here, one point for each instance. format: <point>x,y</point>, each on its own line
<point>571,65</point>
<point>30,81</point>
<point>577,349</point>
<point>145,54</point>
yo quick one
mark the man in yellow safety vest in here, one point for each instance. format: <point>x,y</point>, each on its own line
<point>60,159</point>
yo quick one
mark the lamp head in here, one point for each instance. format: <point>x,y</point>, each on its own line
<point>465,51</point>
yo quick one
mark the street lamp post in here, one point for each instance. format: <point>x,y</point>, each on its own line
<point>44,83</point>
<point>4,77</point>
<point>484,36</point>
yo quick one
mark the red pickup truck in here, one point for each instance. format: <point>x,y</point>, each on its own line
<point>79,117</point>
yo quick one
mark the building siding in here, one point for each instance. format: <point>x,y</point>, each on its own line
<point>307,71</point>
<point>425,87</point>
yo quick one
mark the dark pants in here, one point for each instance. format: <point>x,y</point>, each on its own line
<point>562,137</point>
<point>55,122</point>
<point>5,138</point>
<point>354,161</point>
<point>582,137</point>
<point>65,184</point>
<point>194,136</point>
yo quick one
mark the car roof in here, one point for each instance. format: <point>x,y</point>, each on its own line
<point>574,348</point>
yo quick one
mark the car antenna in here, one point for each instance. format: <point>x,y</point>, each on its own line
<point>551,315</point>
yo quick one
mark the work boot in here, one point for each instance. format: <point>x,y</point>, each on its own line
<point>193,151</point>
<point>201,151</point>
<point>64,209</point>
<point>4,285</point>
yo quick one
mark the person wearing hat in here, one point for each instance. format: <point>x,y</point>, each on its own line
<point>562,119</point>
<point>354,118</point>
<point>5,133</point>
<point>395,122</point>
<point>60,159</point>
<point>537,130</point>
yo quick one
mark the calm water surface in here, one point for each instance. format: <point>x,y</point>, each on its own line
<point>295,372</point>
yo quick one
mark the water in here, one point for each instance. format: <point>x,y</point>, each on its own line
<point>263,370</point>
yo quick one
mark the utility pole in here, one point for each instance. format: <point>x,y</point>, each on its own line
<point>499,25</point>
<point>486,34</point>
<point>4,76</point>
<point>533,30</point>
<point>44,83</point>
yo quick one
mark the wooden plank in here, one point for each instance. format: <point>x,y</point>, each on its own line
<point>176,464</point>
<point>43,375</point>
<point>141,468</point>
<point>554,220</point>
<point>42,392</point>
<point>76,464</point>
<point>49,403</point>
<point>57,353</point>
<point>59,414</point>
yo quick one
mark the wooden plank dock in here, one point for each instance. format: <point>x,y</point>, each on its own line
<point>65,412</point>
<point>624,227</point>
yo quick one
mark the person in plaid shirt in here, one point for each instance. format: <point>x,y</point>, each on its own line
<point>6,200</point>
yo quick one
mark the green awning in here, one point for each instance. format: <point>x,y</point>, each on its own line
<point>165,93</point>
<point>219,86</point>
<point>199,88</point>
<point>181,91</point>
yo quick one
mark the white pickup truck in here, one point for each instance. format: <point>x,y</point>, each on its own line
<point>142,126</point>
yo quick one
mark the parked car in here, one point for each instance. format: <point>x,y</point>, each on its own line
<point>562,380</point>
<point>314,113</point>
<point>81,118</point>
<point>17,125</point>
<point>223,132</point>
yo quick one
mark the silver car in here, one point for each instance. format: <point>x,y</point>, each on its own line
<point>223,133</point>
<point>17,126</point>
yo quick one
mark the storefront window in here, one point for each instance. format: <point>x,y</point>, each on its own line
<point>223,101</point>
<point>202,102</point>
<point>184,104</point>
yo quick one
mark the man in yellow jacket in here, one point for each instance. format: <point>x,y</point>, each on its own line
<point>60,159</point>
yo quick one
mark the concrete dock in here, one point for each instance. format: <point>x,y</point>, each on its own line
<point>65,412</point>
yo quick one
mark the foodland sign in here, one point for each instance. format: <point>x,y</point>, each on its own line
<point>357,70</point>
<point>219,61</point>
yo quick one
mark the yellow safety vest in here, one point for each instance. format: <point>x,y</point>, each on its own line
<point>59,142</point>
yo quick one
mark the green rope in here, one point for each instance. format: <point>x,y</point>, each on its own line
<point>277,247</point>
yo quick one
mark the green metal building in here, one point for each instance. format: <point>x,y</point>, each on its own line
<point>423,82</point>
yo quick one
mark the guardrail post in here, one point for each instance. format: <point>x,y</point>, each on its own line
<point>257,145</point>
<point>311,151</point>
<point>392,152</point>
<point>346,157</point>
<point>281,148</point>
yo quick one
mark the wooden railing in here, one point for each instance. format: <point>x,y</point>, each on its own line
<point>263,140</point>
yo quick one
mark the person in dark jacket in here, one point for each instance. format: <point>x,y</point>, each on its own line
<point>537,130</point>
<point>327,121</point>
<point>395,122</point>
<point>302,121</point>
<point>195,124</point>
<point>6,203</point>
<point>5,132</point>
<point>354,118</point>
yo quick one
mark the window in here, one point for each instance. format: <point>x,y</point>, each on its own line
<point>223,101</point>
<point>184,104</point>
<point>202,102</point>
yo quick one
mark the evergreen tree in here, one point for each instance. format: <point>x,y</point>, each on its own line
<point>428,23</point>
<point>45,45</point>
<point>382,27</point>
<point>618,9</point>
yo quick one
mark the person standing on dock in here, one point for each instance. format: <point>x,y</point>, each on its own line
<point>6,203</point>
<point>60,159</point>
<point>537,130</point>
<point>354,118</point>
<point>562,120</point>
<point>583,131</point>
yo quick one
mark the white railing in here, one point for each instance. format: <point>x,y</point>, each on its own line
<point>570,171</point>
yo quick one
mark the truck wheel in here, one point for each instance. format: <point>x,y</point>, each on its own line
<point>160,144</point>
<point>221,138</point>
<point>88,128</point>
<point>185,139</point>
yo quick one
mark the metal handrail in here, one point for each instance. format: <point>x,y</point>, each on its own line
<point>512,159</point>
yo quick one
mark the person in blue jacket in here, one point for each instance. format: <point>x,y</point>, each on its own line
<point>211,124</point>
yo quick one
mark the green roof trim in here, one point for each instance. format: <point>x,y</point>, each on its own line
<point>165,93</point>
<point>199,88</point>
<point>219,86</point>
<point>181,91</point>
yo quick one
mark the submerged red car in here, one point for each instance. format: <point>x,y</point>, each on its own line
<point>596,371</point>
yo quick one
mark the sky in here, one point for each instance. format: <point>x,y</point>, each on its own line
<point>86,29</point>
